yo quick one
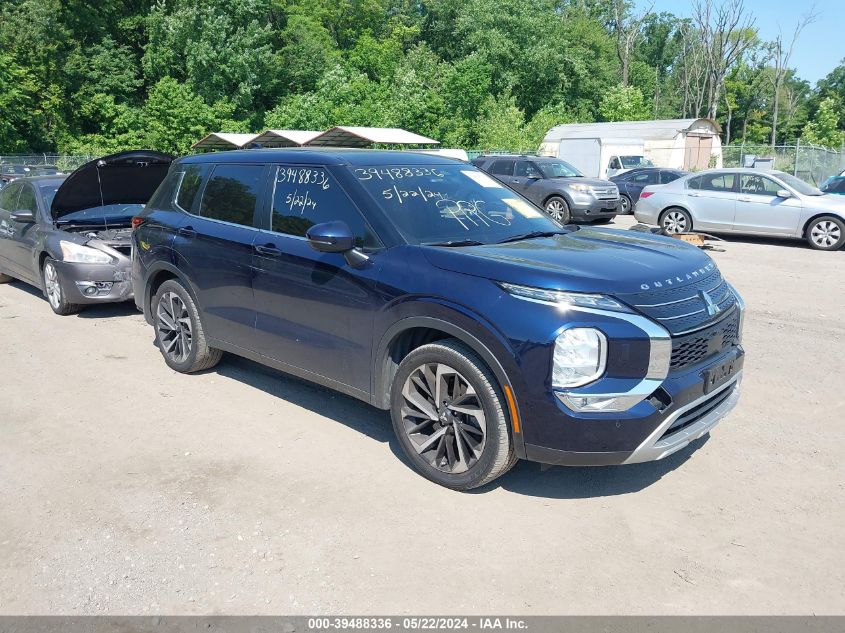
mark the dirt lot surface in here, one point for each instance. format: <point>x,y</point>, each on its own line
<point>128,488</point>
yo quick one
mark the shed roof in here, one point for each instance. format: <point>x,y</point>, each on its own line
<point>349,136</point>
<point>285,138</point>
<point>646,130</point>
<point>223,140</point>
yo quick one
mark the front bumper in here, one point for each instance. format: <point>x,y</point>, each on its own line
<point>111,282</point>
<point>588,211</point>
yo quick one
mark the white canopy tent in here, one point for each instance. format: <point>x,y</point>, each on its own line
<point>349,136</point>
<point>223,140</point>
<point>285,138</point>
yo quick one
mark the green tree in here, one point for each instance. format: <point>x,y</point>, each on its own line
<point>824,129</point>
<point>624,103</point>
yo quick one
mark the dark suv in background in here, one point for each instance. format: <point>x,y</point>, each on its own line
<point>421,285</point>
<point>556,186</point>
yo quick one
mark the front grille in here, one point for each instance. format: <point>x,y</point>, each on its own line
<point>682,308</point>
<point>606,193</point>
<point>697,412</point>
<point>691,349</point>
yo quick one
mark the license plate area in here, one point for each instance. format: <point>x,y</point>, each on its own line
<point>715,377</point>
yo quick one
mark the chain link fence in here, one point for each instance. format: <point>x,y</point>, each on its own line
<point>63,162</point>
<point>810,163</point>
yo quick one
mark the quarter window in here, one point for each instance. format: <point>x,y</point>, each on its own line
<point>232,193</point>
<point>190,186</point>
<point>307,195</point>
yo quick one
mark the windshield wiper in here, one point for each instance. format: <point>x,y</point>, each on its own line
<point>466,242</point>
<point>531,236</point>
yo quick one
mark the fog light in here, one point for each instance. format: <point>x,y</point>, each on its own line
<point>91,291</point>
<point>598,404</point>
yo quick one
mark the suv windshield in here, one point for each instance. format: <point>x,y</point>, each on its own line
<point>799,185</point>
<point>439,204</point>
<point>630,162</point>
<point>558,169</point>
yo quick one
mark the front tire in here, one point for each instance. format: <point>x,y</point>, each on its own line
<point>449,416</point>
<point>675,220</point>
<point>180,336</point>
<point>558,208</point>
<point>826,233</point>
<point>53,290</point>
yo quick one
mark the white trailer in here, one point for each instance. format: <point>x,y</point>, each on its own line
<point>598,157</point>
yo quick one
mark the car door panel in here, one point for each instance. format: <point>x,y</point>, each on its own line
<point>314,311</point>
<point>760,211</point>
<point>528,181</point>
<point>24,236</point>
<point>217,253</point>
<point>8,201</point>
<point>712,201</point>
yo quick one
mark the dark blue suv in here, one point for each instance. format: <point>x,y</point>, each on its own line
<point>422,285</point>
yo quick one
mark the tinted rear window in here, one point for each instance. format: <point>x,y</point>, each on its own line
<point>232,193</point>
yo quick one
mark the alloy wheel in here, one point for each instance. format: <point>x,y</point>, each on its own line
<point>555,209</point>
<point>626,204</point>
<point>52,285</point>
<point>173,324</point>
<point>443,418</point>
<point>675,222</point>
<point>825,234</point>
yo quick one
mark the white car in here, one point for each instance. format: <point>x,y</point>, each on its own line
<point>746,201</point>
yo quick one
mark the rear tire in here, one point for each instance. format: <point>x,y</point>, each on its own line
<point>449,416</point>
<point>675,220</point>
<point>627,205</point>
<point>53,289</point>
<point>558,208</point>
<point>180,336</point>
<point>826,233</point>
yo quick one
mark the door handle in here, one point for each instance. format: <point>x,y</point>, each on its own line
<point>187,231</point>
<point>269,250</point>
<point>745,198</point>
<point>693,194</point>
<point>515,181</point>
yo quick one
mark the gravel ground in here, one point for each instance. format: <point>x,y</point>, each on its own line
<point>126,488</point>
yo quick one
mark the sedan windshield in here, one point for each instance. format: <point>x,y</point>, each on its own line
<point>558,169</point>
<point>104,215</point>
<point>452,205</point>
<point>799,185</point>
<point>630,162</point>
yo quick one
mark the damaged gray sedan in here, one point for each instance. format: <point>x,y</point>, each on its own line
<point>69,236</point>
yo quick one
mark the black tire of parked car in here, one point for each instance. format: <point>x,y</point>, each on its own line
<point>199,355</point>
<point>826,233</point>
<point>51,279</point>
<point>675,220</point>
<point>558,208</point>
<point>627,205</point>
<point>497,453</point>
<point>603,221</point>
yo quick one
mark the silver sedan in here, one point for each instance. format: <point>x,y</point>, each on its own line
<point>746,201</point>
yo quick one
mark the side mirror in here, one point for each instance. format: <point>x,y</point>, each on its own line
<point>784,193</point>
<point>533,175</point>
<point>331,237</point>
<point>24,217</point>
<point>336,237</point>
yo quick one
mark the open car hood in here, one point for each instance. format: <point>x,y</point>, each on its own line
<point>124,178</point>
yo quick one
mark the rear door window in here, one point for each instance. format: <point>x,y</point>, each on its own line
<point>645,178</point>
<point>502,168</point>
<point>713,182</point>
<point>668,176</point>
<point>231,194</point>
<point>305,195</point>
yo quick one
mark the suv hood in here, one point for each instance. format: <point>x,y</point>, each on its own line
<point>608,261</point>
<point>592,182</point>
<point>124,178</point>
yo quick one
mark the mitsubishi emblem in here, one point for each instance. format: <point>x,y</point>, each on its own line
<point>712,308</point>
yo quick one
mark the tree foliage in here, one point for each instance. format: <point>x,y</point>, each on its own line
<point>77,76</point>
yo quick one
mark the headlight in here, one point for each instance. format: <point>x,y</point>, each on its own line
<point>580,357</point>
<point>561,298</point>
<point>78,254</point>
<point>577,186</point>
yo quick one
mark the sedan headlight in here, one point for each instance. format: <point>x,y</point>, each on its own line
<point>580,356</point>
<point>563,298</point>
<point>78,254</point>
